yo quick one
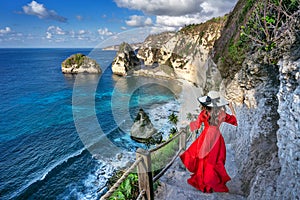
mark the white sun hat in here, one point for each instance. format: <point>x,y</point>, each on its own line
<point>213,99</point>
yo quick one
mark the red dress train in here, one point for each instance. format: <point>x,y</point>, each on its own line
<point>206,156</point>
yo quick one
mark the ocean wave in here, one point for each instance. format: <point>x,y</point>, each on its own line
<point>43,175</point>
<point>46,172</point>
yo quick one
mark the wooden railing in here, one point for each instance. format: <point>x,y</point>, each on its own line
<point>143,163</point>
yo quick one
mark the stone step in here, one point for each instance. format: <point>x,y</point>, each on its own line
<point>173,184</point>
<point>171,192</point>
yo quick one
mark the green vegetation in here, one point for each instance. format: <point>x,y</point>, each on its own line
<point>255,27</point>
<point>160,158</point>
<point>236,51</point>
<point>164,155</point>
<point>189,116</point>
<point>172,132</point>
<point>77,59</point>
<point>173,118</point>
<point>266,22</point>
<point>128,189</point>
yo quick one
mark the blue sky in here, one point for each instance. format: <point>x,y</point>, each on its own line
<point>91,23</point>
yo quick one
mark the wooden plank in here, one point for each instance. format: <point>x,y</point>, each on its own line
<point>145,173</point>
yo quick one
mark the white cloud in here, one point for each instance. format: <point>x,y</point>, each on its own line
<point>49,35</point>
<point>159,29</point>
<point>177,13</point>
<point>163,7</point>
<point>56,30</point>
<point>6,30</point>
<point>175,7</point>
<point>139,21</point>
<point>105,32</point>
<point>82,32</point>
<point>36,9</point>
<point>123,28</point>
<point>180,21</point>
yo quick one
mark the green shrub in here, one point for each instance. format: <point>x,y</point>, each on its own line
<point>128,189</point>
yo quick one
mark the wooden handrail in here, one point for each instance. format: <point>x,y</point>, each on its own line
<point>165,143</point>
<point>143,164</point>
<point>123,177</point>
<point>167,166</point>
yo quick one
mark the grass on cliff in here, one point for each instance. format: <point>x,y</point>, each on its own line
<point>76,59</point>
<point>253,26</point>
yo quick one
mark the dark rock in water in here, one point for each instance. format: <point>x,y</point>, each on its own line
<point>156,138</point>
<point>143,130</point>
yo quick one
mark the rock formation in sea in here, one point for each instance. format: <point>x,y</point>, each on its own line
<point>125,60</point>
<point>79,63</point>
<point>143,130</point>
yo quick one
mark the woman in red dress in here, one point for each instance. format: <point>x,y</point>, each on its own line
<point>206,156</point>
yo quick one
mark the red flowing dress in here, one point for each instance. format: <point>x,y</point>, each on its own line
<point>205,158</point>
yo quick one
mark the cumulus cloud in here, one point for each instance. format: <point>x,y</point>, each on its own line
<point>104,32</point>
<point>59,35</point>
<point>39,10</point>
<point>162,7</point>
<point>56,30</point>
<point>53,31</point>
<point>139,21</point>
<point>6,30</point>
<point>177,13</point>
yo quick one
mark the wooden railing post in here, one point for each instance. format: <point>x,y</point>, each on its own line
<point>145,173</point>
<point>182,140</point>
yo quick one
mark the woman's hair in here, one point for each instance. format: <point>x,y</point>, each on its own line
<point>213,114</point>
<point>205,107</point>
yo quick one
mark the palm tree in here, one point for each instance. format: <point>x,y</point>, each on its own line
<point>172,132</point>
<point>189,116</point>
<point>173,118</point>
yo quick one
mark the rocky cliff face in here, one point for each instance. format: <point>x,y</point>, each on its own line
<point>266,92</point>
<point>267,96</point>
<point>288,134</point>
<point>79,63</point>
<point>182,54</point>
<point>125,60</point>
<point>255,138</point>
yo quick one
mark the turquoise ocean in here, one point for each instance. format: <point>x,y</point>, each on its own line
<point>43,150</point>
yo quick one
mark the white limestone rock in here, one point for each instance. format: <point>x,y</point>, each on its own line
<point>125,60</point>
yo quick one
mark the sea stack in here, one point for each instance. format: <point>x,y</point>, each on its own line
<point>79,63</point>
<point>125,60</point>
<point>143,130</point>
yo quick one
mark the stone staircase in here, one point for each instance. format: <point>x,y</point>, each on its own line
<point>174,186</point>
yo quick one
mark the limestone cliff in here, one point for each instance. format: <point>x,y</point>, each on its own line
<point>182,54</point>
<point>79,63</point>
<point>125,60</point>
<point>253,57</point>
<point>263,81</point>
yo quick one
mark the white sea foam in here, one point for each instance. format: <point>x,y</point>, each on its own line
<point>98,179</point>
<point>42,175</point>
<point>159,116</point>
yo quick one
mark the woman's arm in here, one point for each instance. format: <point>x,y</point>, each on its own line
<point>194,125</point>
<point>231,119</point>
<point>231,109</point>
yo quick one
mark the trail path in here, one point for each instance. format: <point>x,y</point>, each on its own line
<point>174,184</point>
